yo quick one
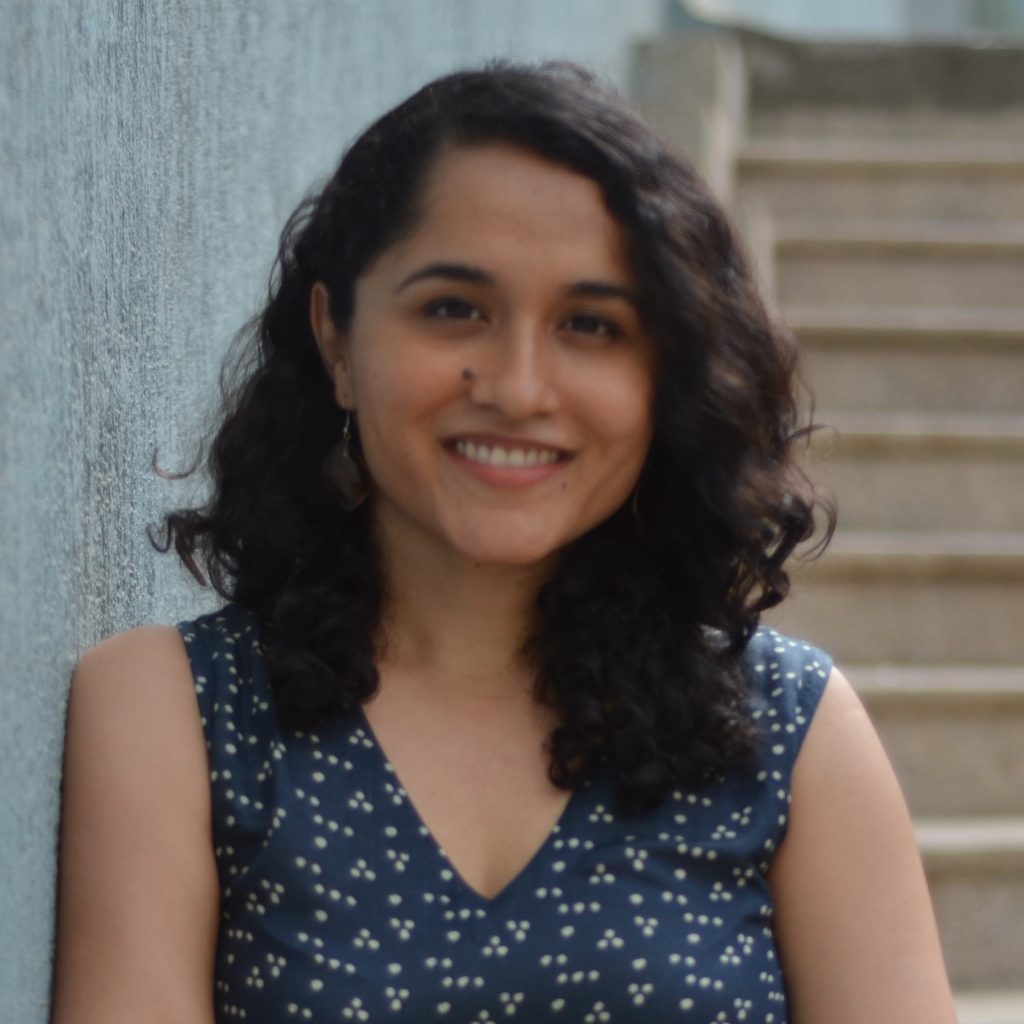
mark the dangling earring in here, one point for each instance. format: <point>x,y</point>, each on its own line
<point>344,472</point>
<point>634,508</point>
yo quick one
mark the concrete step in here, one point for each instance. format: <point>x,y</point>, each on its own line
<point>855,179</point>
<point>955,734</point>
<point>991,1007</point>
<point>912,598</point>
<point>915,236</point>
<point>975,871</point>
<point>882,189</point>
<point>961,266</point>
<point>923,471</point>
<point>835,89</point>
<point>926,124</point>
<point>872,358</point>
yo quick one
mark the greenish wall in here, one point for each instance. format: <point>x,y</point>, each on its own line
<point>149,154</point>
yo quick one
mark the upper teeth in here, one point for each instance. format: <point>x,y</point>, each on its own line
<point>495,455</point>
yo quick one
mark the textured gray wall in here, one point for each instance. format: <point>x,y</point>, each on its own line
<point>149,154</point>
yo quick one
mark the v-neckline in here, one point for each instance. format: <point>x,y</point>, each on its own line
<point>430,837</point>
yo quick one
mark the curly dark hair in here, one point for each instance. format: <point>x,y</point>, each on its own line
<point>639,632</point>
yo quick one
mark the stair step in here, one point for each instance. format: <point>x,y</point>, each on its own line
<point>884,236</point>
<point>935,555</point>
<point>966,269</point>
<point>991,1007</point>
<point>867,358</point>
<point>888,179</point>
<point>899,682</point>
<point>923,154</point>
<point>923,325</point>
<point>889,123</point>
<point>972,433</point>
<point>975,870</point>
<point>954,734</point>
<point>911,598</point>
<point>960,842</point>
<point>832,84</point>
<point>923,471</point>
<point>884,190</point>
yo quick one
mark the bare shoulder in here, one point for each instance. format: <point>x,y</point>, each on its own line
<point>842,747</point>
<point>136,845</point>
<point>854,922</point>
<point>132,695</point>
<point>139,656</point>
<point>130,692</point>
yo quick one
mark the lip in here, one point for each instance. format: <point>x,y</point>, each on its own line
<point>508,461</point>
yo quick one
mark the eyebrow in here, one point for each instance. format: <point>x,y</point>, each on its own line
<point>449,272</point>
<point>601,290</point>
<point>476,275</point>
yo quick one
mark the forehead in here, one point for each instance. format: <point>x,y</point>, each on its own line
<point>498,201</point>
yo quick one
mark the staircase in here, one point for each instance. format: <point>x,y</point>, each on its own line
<point>882,191</point>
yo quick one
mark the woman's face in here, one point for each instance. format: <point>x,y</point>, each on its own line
<point>496,364</point>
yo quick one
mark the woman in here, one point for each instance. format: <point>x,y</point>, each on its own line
<point>502,739</point>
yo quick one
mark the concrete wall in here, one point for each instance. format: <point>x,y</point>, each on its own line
<point>149,155</point>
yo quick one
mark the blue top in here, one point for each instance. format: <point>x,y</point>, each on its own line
<point>338,904</point>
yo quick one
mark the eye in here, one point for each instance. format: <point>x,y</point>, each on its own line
<point>450,308</point>
<point>593,324</point>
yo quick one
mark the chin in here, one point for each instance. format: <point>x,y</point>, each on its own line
<point>513,554</point>
<point>514,541</point>
<point>503,558</point>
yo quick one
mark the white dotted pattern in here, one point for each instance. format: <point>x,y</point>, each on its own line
<point>338,905</point>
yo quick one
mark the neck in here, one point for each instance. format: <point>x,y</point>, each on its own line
<point>456,623</point>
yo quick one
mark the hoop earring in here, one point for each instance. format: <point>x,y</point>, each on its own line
<point>344,472</point>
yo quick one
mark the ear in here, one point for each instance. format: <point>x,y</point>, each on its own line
<point>332,344</point>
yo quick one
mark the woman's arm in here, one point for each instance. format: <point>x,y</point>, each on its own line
<point>138,893</point>
<point>854,921</point>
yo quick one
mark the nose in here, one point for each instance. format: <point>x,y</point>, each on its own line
<point>517,374</point>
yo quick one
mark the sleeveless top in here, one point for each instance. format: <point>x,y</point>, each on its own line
<point>338,905</point>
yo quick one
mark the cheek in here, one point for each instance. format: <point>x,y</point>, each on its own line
<point>628,412</point>
<point>406,397</point>
<point>399,399</point>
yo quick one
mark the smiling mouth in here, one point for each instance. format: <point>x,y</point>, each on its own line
<point>511,457</point>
